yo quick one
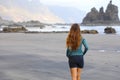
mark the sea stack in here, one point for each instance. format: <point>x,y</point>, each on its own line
<point>109,17</point>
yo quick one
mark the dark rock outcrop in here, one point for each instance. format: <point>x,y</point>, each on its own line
<point>109,30</point>
<point>109,17</point>
<point>14,29</point>
<point>89,31</point>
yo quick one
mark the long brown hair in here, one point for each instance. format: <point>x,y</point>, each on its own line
<point>74,37</point>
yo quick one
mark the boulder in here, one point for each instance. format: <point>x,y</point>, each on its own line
<point>93,31</point>
<point>15,29</point>
<point>109,30</point>
<point>85,31</point>
<point>89,31</point>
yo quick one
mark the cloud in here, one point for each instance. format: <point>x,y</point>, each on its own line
<point>19,14</point>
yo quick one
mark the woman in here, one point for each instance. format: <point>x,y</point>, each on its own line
<point>74,52</point>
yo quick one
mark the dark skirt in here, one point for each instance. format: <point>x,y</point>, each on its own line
<point>76,61</point>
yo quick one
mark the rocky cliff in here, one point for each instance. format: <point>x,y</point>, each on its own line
<point>109,17</point>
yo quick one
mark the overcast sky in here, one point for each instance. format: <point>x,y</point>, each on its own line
<point>81,4</point>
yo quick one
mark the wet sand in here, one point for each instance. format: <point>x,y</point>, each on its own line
<point>41,56</point>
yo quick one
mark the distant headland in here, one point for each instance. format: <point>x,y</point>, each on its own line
<point>109,17</point>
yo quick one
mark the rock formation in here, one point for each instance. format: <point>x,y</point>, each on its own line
<point>89,32</point>
<point>109,17</point>
<point>14,29</point>
<point>109,30</point>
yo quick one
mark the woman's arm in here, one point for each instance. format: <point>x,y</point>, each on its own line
<point>85,46</point>
<point>67,52</point>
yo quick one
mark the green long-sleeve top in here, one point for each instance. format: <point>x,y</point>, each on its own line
<point>79,51</point>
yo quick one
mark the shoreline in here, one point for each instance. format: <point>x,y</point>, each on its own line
<point>61,32</point>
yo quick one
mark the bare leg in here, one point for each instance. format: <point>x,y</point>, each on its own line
<point>79,73</point>
<point>73,73</point>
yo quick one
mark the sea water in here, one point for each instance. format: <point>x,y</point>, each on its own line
<point>57,28</point>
